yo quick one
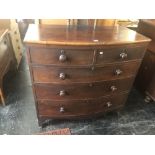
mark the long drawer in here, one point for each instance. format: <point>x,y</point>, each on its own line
<point>82,90</point>
<point>60,109</point>
<point>48,74</point>
<point>65,57</point>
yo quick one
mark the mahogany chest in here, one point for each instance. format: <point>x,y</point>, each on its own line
<point>80,72</point>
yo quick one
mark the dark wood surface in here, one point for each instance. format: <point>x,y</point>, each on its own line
<point>82,90</point>
<point>53,108</point>
<point>146,27</point>
<point>48,74</point>
<point>80,72</point>
<point>145,80</point>
<point>51,56</point>
<point>81,35</point>
<point>85,56</point>
<point>151,46</point>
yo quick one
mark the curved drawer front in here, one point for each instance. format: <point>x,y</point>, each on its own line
<point>110,72</point>
<point>120,54</point>
<point>82,91</point>
<point>61,57</point>
<point>80,107</point>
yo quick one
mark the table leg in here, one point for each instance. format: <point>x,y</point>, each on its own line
<point>2,97</point>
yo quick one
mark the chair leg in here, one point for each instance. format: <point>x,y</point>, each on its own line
<point>2,97</point>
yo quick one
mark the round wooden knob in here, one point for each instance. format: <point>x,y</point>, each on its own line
<point>118,72</point>
<point>109,104</point>
<point>61,109</point>
<point>62,93</point>
<point>113,88</point>
<point>62,76</point>
<point>90,85</point>
<point>62,58</point>
<point>92,68</point>
<point>123,55</point>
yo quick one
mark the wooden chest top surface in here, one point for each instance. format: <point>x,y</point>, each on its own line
<point>81,35</point>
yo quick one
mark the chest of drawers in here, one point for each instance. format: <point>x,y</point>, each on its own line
<point>79,72</point>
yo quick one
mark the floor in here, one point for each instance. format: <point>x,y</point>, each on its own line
<point>19,116</point>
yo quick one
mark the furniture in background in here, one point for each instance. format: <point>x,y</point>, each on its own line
<point>78,22</point>
<point>129,23</point>
<point>7,60</point>
<point>12,25</point>
<point>145,80</point>
<point>55,21</point>
<point>80,72</point>
<point>23,25</point>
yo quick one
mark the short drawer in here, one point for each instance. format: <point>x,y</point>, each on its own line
<point>48,74</point>
<point>82,90</point>
<point>61,57</point>
<point>120,54</point>
<point>58,109</point>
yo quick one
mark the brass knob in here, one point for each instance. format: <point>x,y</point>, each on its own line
<point>123,55</point>
<point>62,93</point>
<point>113,88</point>
<point>62,76</point>
<point>62,58</point>
<point>109,104</point>
<point>61,109</point>
<point>118,72</point>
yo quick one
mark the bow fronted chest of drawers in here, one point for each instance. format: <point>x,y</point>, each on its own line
<point>80,72</point>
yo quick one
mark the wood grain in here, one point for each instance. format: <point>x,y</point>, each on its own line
<point>82,35</point>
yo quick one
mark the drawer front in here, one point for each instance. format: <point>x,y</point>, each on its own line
<point>82,91</point>
<point>119,54</point>
<point>61,57</point>
<point>3,47</point>
<point>80,107</point>
<point>46,74</point>
<point>4,54</point>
